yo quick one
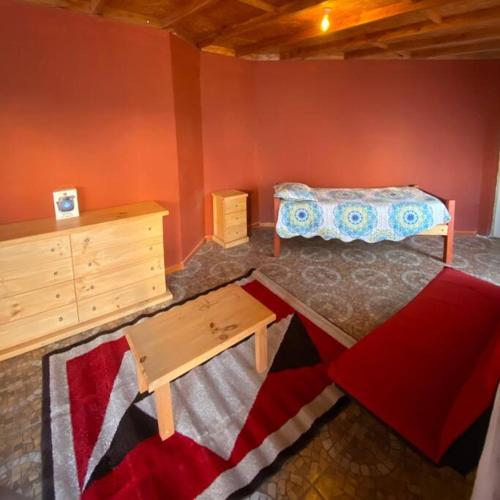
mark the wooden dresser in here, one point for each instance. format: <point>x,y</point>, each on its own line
<point>58,278</point>
<point>230,217</point>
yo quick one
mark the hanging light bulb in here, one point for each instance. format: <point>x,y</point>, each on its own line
<point>325,20</point>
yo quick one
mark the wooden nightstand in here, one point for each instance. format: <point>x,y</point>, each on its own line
<point>230,217</point>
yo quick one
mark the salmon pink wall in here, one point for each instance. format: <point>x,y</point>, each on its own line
<point>229,135</point>
<point>126,114</point>
<point>86,103</point>
<point>375,123</point>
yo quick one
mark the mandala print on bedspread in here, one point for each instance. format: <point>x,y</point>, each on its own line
<point>302,217</point>
<point>407,219</point>
<point>355,220</point>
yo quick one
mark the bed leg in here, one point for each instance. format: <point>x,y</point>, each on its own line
<point>277,241</point>
<point>448,239</point>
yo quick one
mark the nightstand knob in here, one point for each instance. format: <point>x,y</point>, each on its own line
<point>60,318</point>
<point>94,308</point>
<point>57,295</point>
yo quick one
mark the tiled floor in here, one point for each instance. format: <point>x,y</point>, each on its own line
<point>356,286</point>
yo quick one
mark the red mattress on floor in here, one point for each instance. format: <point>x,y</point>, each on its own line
<point>432,369</point>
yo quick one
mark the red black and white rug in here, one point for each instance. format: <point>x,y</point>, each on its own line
<point>100,436</point>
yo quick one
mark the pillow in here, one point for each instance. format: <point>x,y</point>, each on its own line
<point>294,191</point>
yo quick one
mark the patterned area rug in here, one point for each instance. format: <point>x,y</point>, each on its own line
<point>100,436</point>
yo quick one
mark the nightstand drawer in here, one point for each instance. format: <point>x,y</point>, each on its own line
<point>235,232</point>
<point>236,204</point>
<point>235,219</point>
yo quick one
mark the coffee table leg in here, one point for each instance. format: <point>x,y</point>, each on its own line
<point>261,349</point>
<point>164,411</point>
<point>141,379</point>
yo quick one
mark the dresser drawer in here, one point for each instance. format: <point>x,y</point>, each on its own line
<point>29,303</point>
<point>95,284</point>
<point>36,326</point>
<point>235,219</point>
<point>235,232</point>
<point>236,204</point>
<point>112,257</point>
<point>31,277</point>
<point>109,235</point>
<point>118,299</point>
<point>34,253</point>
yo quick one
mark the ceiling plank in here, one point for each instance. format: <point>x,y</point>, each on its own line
<point>188,9</point>
<point>129,17</point>
<point>97,6</point>
<point>472,48</point>
<point>258,21</point>
<point>259,4</point>
<point>434,16</point>
<point>365,18</point>
<point>427,43</point>
<point>469,20</point>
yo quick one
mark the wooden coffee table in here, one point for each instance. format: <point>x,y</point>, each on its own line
<point>172,343</point>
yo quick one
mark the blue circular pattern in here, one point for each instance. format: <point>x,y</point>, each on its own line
<point>407,219</point>
<point>355,219</point>
<point>302,217</point>
<point>392,194</point>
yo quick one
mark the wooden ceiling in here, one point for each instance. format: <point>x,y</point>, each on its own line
<point>290,29</point>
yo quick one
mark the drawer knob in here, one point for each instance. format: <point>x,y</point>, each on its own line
<point>60,318</point>
<point>152,268</point>
<point>94,308</point>
<point>58,295</point>
<point>90,264</point>
<point>149,228</point>
<point>86,240</point>
<point>56,273</point>
<point>150,249</point>
<point>91,287</point>
<point>52,249</point>
<point>154,288</point>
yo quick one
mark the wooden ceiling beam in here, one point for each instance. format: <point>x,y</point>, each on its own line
<point>258,21</point>
<point>259,4</point>
<point>96,6</point>
<point>427,43</point>
<point>473,48</point>
<point>188,9</point>
<point>365,18</point>
<point>470,20</point>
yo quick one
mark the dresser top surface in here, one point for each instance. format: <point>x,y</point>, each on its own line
<point>44,227</point>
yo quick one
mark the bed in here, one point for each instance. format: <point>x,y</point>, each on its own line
<point>368,214</point>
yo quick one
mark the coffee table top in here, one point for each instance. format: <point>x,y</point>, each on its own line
<point>172,343</point>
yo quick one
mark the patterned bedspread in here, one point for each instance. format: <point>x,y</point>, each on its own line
<point>367,214</point>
